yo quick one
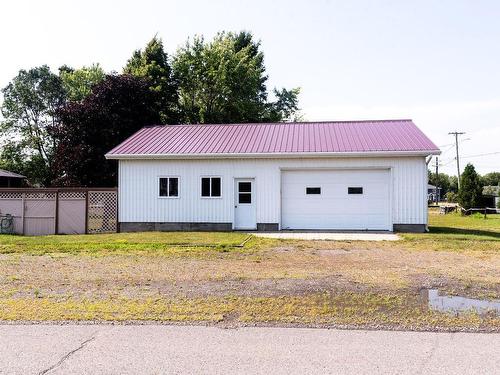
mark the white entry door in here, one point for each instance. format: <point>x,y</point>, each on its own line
<point>244,204</point>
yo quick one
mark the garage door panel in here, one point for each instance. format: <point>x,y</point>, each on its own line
<point>338,206</point>
<point>334,208</point>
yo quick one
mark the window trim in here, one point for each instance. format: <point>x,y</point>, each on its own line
<point>178,187</point>
<point>200,187</point>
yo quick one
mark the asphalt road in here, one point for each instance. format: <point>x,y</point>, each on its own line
<point>157,349</point>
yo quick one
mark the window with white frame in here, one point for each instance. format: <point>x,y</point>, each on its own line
<point>210,187</point>
<point>169,187</point>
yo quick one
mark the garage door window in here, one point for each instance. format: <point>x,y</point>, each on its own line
<point>313,190</point>
<point>354,190</point>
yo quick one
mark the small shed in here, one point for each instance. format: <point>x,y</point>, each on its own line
<point>433,193</point>
<point>492,194</point>
<point>10,179</point>
<point>333,175</point>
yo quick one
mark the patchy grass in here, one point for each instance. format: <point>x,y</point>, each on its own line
<point>207,277</point>
<point>345,309</point>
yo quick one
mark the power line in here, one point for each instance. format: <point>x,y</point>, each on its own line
<point>448,149</point>
<point>447,162</point>
<point>478,155</point>
<point>452,145</point>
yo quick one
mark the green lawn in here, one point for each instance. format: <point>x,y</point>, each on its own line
<point>456,232</point>
<point>123,243</point>
<point>456,223</point>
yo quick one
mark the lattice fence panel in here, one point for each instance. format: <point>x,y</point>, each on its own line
<point>41,195</point>
<point>9,195</point>
<point>72,195</point>
<point>102,212</point>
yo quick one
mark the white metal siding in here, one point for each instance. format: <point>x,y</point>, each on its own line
<point>139,201</point>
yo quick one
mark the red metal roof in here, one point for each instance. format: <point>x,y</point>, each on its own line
<point>276,138</point>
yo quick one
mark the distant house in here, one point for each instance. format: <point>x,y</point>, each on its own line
<point>492,195</point>
<point>10,179</point>
<point>433,192</point>
<point>337,175</point>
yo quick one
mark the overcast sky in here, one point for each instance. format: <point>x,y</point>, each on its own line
<point>437,62</point>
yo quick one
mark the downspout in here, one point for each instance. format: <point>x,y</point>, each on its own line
<point>427,161</point>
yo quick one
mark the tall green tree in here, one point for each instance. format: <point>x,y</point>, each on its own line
<point>29,108</point>
<point>153,64</point>
<point>14,158</point>
<point>491,179</point>
<point>117,107</point>
<point>78,83</point>
<point>224,81</point>
<point>470,194</point>
<point>445,182</point>
<point>286,106</point>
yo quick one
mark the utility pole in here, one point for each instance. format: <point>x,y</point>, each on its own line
<point>456,134</point>
<point>437,180</point>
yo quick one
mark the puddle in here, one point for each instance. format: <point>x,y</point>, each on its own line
<point>457,304</point>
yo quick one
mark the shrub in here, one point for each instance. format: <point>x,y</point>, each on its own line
<point>470,193</point>
<point>451,197</point>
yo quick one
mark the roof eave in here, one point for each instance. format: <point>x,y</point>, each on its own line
<point>12,175</point>
<point>273,155</point>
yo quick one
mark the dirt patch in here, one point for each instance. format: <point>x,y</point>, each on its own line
<point>335,252</point>
<point>279,271</point>
<point>282,249</point>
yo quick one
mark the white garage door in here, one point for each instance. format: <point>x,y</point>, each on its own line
<point>339,199</point>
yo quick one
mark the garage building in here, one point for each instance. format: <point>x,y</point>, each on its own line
<point>342,175</point>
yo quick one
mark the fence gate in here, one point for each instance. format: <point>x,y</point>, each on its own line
<point>61,211</point>
<point>72,211</point>
<point>102,212</point>
<point>39,213</point>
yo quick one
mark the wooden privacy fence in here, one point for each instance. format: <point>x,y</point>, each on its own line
<point>61,211</point>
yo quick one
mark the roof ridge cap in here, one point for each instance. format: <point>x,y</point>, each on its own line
<point>282,123</point>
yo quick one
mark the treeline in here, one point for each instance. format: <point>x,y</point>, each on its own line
<point>57,127</point>
<point>470,194</point>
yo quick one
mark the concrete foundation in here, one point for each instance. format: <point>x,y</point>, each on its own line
<point>410,228</point>
<point>194,227</point>
<point>227,227</point>
<point>267,227</point>
<point>172,227</point>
